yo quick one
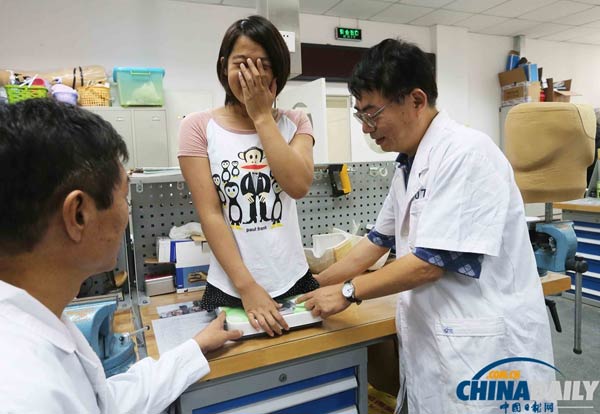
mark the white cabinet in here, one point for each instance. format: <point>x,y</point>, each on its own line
<point>338,129</point>
<point>144,130</point>
<point>178,105</point>
<point>150,138</point>
<point>121,121</point>
<point>310,98</point>
<point>338,136</point>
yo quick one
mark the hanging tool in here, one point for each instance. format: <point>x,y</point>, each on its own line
<point>340,180</point>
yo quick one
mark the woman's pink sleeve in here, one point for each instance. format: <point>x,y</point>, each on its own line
<point>192,135</point>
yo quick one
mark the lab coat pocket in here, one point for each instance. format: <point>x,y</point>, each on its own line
<point>465,347</point>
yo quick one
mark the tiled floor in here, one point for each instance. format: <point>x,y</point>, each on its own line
<point>578,367</point>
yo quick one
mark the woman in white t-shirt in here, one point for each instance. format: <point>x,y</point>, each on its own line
<point>246,164</point>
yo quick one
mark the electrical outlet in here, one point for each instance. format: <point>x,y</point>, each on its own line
<point>290,40</point>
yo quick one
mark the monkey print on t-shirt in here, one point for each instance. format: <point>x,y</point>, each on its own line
<point>244,188</point>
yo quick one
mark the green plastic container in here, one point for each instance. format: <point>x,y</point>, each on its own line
<point>139,86</point>
<point>17,93</point>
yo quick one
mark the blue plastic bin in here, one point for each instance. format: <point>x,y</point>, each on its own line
<point>139,86</point>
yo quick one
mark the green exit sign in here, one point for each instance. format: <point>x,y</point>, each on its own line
<point>346,33</point>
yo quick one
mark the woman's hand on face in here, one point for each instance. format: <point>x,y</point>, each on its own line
<point>262,310</point>
<point>258,93</point>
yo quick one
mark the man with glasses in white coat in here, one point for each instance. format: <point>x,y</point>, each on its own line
<point>469,290</point>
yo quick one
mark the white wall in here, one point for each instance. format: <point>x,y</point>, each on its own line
<point>451,49</point>
<point>562,61</point>
<point>184,38</point>
<point>486,57</point>
<point>181,37</point>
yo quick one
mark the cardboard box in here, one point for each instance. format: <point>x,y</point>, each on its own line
<point>192,260</point>
<point>166,251</point>
<point>163,249</point>
<point>521,93</point>
<point>516,89</point>
<point>559,95</point>
<point>191,278</point>
<point>512,77</point>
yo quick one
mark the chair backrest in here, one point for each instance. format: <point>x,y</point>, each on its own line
<point>550,145</point>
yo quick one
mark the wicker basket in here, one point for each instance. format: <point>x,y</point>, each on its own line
<point>16,93</point>
<point>94,95</point>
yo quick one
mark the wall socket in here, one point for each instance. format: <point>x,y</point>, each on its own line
<point>290,40</point>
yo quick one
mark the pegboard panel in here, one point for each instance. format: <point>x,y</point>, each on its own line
<point>319,211</point>
<point>99,284</point>
<point>158,206</point>
<point>155,208</point>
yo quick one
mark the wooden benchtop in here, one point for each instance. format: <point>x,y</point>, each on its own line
<point>554,283</point>
<point>373,319</point>
<point>122,321</point>
<point>589,205</point>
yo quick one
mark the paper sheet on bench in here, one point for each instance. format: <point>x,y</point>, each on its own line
<point>170,332</point>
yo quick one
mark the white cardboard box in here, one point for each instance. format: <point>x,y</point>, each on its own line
<point>163,249</point>
<point>192,259</point>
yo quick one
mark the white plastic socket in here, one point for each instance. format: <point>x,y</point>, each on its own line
<point>290,40</point>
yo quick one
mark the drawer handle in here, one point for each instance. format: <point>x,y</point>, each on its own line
<point>156,118</point>
<point>120,118</point>
<point>282,378</point>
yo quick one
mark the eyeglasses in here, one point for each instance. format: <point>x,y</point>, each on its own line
<point>369,119</point>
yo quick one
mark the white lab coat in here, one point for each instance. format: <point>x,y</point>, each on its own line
<point>47,366</point>
<point>461,196</point>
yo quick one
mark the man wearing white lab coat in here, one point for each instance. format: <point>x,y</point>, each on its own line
<point>63,213</point>
<point>469,290</point>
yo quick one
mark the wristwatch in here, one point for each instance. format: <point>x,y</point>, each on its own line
<point>348,292</point>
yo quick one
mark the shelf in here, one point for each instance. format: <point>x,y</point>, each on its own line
<point>154,260</point>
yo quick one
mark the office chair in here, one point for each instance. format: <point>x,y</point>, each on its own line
<point>550,145</point>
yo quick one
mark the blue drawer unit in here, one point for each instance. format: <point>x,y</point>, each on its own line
<point>587,229</point>
<point>326,383</point>
<point>324,393</point>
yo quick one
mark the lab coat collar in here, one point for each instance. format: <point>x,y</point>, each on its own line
<point>432,137</point>
<point>420,166</point>
<point>32,315</point>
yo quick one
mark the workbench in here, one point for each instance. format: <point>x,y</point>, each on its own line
<point>253,371</point>
<point>255,366</point>
<point>335,349</point>
<point>585,214</point>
